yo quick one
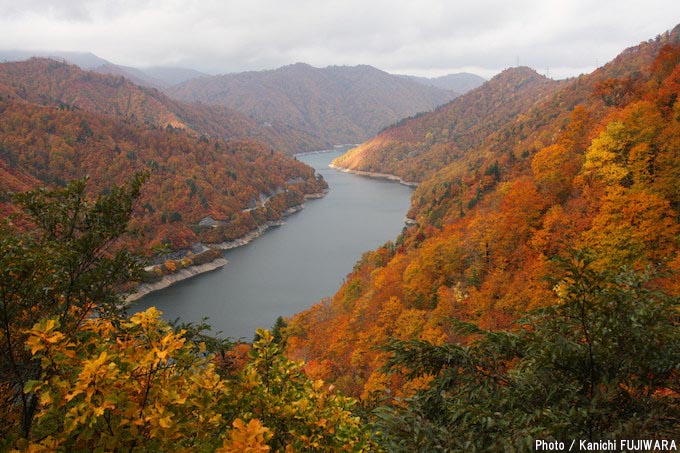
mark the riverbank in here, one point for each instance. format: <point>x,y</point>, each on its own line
<point>194,270</point>
<point>167,280</point>
<point>372,174</point>
<point>290,269</point>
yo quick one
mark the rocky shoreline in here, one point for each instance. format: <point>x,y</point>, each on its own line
<point>192,271</point>
<point>372,174</point>
<point>167,280</point>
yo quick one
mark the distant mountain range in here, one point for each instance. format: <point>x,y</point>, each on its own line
<point>295,108</point>
<point>57,84</point>
<point>154,77</point>
<point>458,83</point>
<point>339,104</point>
<point>416,147</point>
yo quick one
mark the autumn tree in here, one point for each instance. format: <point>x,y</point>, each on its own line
<point>78,374</point>
<point>601,363</point>
<point>123,385</point>
<point>58,261</point>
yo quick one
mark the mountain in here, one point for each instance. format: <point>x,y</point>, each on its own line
<point>415,147</point>
<point>134,75</point>
<point>153,77</point>
<point>528,187</point>
<point>49,82</point>
<point>458,83</point>
<point>58,123</point>
<point>172,75</point>
<point>337,104</point>
<point>85,60</point>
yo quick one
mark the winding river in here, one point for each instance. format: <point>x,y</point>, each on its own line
<point>291,267</point>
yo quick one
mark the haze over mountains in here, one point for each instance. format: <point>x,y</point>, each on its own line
<point>307,108</point>
<point>415,147</point>
<point>340,104</point>
<point>458,83</point>
<point>154,77</point>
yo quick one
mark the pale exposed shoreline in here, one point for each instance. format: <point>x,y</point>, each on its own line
<point>372,174</point>
<point>192,271</point>
<point>171,279</point>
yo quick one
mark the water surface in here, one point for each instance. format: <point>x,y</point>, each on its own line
<point>293,266</point>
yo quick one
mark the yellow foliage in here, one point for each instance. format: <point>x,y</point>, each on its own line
<point>605,157</point>
<point>142,387</point>
<point>250,438</point>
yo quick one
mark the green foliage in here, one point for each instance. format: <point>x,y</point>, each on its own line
<point>66,268</point>
<point>601,364</point>
<point>278,331</point>
<point>77,374</point>
<point>299,412</point>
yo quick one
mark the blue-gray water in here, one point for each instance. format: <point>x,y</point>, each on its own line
<point>291,267</point>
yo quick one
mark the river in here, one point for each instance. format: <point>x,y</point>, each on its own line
<point>291,267</point>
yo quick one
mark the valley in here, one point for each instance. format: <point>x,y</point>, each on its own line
<point>291,267</point>
<point>482,271</point>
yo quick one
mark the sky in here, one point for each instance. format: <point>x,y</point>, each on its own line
<point>419,37</point>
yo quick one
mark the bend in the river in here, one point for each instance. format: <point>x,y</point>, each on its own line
<point>292,267</point>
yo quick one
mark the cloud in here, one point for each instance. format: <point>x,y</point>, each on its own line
<point>426,37</point>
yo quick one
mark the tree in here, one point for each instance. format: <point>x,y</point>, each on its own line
<point>600,364</point>
<point>300,413</point>
<point>78,374</point>
<point>57,261</point>
<point>121,386</point>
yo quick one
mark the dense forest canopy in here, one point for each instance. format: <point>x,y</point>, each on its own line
<point>536,296</point>
<point>589,164</point>
<point>58,123</point>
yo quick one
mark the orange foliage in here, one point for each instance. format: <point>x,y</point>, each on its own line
<point>191,178</point>
<point>593,164</point>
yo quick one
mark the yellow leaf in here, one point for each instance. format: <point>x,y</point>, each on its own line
<point>45,399</point>
<point>165,422</point>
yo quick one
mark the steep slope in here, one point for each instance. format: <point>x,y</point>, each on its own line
<point>592,166</point>
<point>49,82</point>
<point>415,147</point>
<point>191,177</point>
<point>337,104</point>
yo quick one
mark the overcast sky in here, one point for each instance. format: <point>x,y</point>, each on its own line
<point>420,37</point>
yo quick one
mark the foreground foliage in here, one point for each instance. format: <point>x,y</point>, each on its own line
<point>603,363</point>
<point>79,374</point>
<point>142,385</point>
<point>65,269</point>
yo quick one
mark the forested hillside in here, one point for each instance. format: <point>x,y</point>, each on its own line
<point>536,297</point>
<point>416,147</point>
<point>527,194</point>
<point>337,104</point>
<point>51,83</point>
<point>55,128</point>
